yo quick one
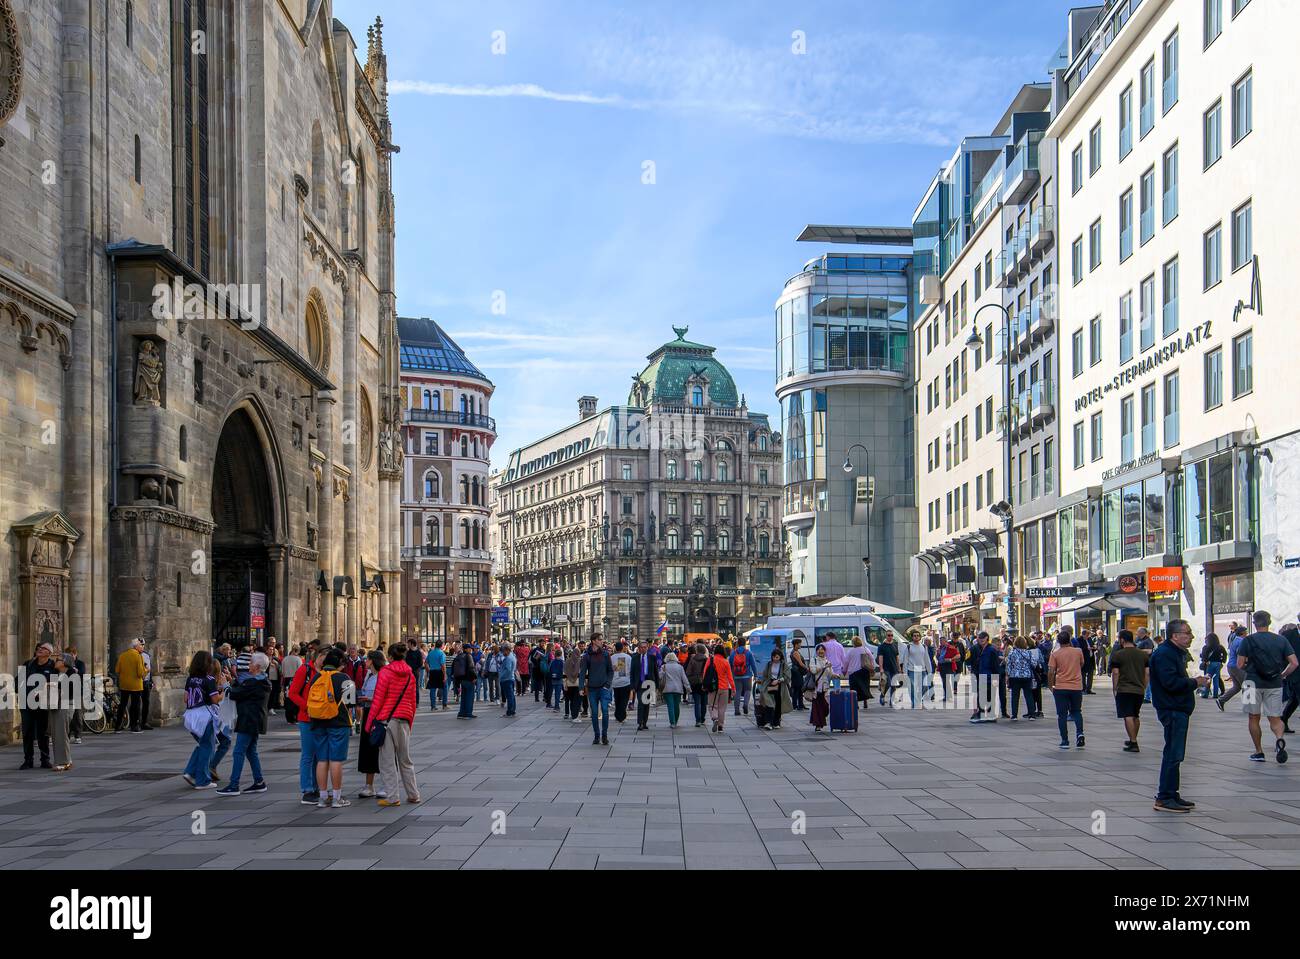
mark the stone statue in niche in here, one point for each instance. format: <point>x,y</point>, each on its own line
<point>148,374</point>
<point>390,451</point>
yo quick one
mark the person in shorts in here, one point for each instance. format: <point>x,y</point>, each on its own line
<point>1130,678</point>
<point>330,736</point>
<point>1267,660</point>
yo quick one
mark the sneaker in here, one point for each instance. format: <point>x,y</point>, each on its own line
<point>1170,805</point>
<point>389,802</point>
<point>76,740</point>
<point>767,726</point>
<point>341,802</point>
<point>205,785</point>
<point>46,764</point>
<point>1131,747</point>
<point>257,787</point>
<point>230,790</point>
<point>1185,802</point>
<point>367,792</point>
<point>188,778</point>
<point>1257,757</point>
<point>323,802</point>
<point>1219,703</point>
<point>380,794</point>
<point>973,720</point>
<point>1064,745</point>
<point>1281,750</point>
<point>596,741</point>
<point>1078,743</point>
<point>310,798</point>
<point>146,726</point>
<point>746,710</point>
<point>136,729</point>
<point>604,741</point>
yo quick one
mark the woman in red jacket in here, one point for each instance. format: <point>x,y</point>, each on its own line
<point>725,688</point>
<point>393,705</point>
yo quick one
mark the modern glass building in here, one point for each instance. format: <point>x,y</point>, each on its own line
<point>843,381</point>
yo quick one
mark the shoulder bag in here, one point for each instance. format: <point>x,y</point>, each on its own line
<point>379,728</point>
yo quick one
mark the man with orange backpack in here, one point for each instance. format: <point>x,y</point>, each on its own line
<point>742,671</point>
<point>329,707</point>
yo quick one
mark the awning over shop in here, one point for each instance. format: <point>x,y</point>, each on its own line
<point>935,618</point>
<point>1111,601</point>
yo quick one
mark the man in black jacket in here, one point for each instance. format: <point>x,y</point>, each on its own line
<point>595,683</point>
<point>1173,693</point>
<point>251,697</point>
<point>645,682</point>
<point>465,677</point>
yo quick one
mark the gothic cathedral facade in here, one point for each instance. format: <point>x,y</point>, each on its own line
<point>199,382</point>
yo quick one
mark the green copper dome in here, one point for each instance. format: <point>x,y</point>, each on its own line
<point>678,366</point>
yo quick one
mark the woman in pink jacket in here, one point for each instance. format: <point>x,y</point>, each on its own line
<point>393,707</point>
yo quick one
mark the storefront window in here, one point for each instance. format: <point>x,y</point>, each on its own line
<point>1154,511</point>
<point>1111,521</point>
<point>1133,521</point>
<point>1049,546</point>
<point>1208,492</point>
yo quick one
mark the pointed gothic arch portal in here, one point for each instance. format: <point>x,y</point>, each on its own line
<point>243,509</point>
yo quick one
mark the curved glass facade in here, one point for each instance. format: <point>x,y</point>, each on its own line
<point>803,426</point>
<point>857,318</point>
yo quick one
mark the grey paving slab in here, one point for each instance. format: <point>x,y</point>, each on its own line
<point>910,790</point>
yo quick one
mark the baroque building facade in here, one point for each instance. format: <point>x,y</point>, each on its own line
<point>663,512</point>
<point>198,355</point>
<point>448,438</point>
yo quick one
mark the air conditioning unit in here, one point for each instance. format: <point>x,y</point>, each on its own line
<point>931,290</point>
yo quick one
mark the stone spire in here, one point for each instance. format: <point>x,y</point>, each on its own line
<point>376,61</point>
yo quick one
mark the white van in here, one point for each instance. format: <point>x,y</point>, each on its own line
<point>813,624</point>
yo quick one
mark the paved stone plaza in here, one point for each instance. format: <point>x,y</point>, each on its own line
<point>909,791</point>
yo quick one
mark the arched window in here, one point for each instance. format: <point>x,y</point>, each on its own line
<point>428,399</point>
<point>627,541</point>
<point>464,446</point>
<point>762,544</point>
<point>762,441</point>
<point>697,470</point>
<point>464,534</point>
<point>431,485</point>
<point>464,489</point>
<point>722,471</point>
<point>431,532</point>
<point>473,487</point>
<point>697,396</point>
<point>697,540</point>
<point>724,540</point>
<point>317,330</point>
<point>672,469</point>
<point>674,541</point>
<point>478,536</point>
<point>464,404</point>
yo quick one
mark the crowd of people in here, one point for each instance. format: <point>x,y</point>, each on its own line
<point>333,693</point>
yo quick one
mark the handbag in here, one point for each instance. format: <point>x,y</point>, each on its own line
<point>379,729</point>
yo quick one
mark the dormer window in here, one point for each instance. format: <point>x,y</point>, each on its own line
<point>697,396</point>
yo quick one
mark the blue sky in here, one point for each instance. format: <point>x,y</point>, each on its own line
<point>520,176</point>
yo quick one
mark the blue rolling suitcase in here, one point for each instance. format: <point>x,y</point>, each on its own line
<point>844,710</point>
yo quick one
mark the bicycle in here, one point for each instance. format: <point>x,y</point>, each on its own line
<point>107,711</point>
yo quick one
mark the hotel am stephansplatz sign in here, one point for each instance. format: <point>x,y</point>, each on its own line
<point>1153,360</point>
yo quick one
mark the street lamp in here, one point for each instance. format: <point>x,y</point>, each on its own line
<point>847,466</point>
<point>975,343</point>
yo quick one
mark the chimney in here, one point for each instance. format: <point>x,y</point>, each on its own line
<point>586,407</point>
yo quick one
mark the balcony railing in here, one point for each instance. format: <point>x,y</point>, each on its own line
<point>1022,169</point>
<point>420,415</point>
<point>1042,313</point>
<point>1034,405</point>
<point>1097,40</point>
<point>415,552</point>
<point>1042,228</point>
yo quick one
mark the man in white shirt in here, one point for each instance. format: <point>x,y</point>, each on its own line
<point>621,662</point>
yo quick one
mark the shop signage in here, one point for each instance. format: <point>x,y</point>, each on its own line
<point>257,610</point>
<point>1155,358</point>
<point>1043,592</point>
<point>1129,466</point>
<point>950,600</point>
<point>1227,608</point>
<point>1291,562</point>
<point>1158,597</point>
<point>1130,584</point>
<point>500,616</point>
<point>1165,579</point>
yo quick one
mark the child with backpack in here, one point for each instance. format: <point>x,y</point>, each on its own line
<point>742,671</point>
<point>329,707</point>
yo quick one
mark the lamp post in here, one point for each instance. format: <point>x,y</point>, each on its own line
<point>847,467</point>
<point>974,342</point>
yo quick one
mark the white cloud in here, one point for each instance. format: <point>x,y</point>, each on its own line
<point>530,90</point>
